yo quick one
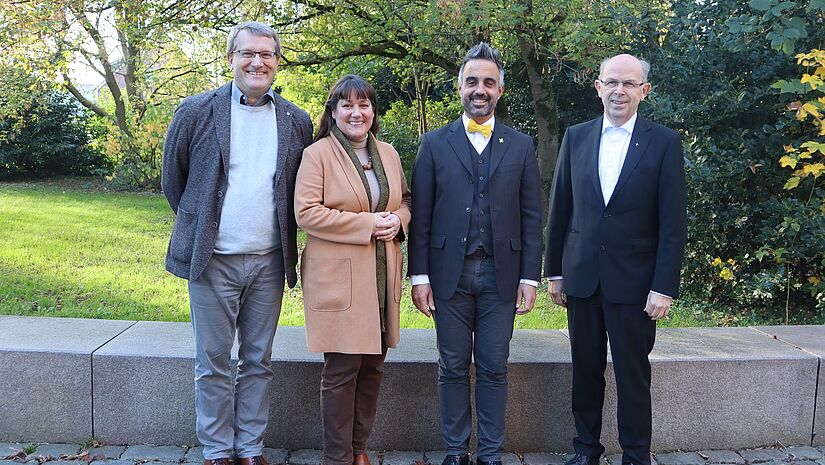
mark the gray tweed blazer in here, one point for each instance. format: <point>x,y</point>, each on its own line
<point>194,179</point>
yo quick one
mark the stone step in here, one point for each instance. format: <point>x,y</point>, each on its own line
<point>713,388</point>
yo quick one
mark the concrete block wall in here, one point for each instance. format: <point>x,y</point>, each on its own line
<point>810,340</point>
<point>66,380</point>
<point>144,386</point>
<point>730,386</point>
<point>46,376</point>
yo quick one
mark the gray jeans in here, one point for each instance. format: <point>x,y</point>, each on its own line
<point>235,293</point>
<point>474,324</point>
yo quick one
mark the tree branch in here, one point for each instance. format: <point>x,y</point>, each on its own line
<point>67,82</point>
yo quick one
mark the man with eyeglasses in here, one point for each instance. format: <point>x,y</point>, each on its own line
<point>229,165</point>
<point>615,240</point>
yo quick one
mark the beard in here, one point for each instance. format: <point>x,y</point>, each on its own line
<point>474,111</point>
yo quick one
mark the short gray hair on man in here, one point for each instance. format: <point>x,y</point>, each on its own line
<point>645,67</point>
<point>255,28</point>
<point>483,51</point>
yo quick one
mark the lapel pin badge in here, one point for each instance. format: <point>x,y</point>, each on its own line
<point>500,140</point>
<point>287,113</point>
<point>637,144</point>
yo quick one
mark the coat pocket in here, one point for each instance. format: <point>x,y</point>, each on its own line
<point>183,236</point>
<point>328,284</point>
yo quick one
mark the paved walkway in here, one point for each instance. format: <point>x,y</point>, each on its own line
<point>76,454</point>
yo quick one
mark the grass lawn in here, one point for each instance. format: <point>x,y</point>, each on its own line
<point>73,248</point>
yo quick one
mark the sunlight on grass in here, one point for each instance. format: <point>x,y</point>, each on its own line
<point>72,253</point>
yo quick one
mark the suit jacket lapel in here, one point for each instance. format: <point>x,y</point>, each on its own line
<point>221,113</point>
<point>592,153</point>
<point>459,142</point>
<point>499,141</point>
<point>284,119</point>
<point>638,143</point>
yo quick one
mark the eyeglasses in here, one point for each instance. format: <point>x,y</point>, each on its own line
<point>612,84</point>
<point>250,54</point>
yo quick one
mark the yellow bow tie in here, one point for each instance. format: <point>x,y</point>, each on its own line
<point>486,130</point>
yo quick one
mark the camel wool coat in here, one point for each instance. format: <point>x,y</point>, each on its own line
<point>338,263</point>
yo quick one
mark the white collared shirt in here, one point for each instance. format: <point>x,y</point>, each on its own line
<point>612,153</point>
<point>476,138</point>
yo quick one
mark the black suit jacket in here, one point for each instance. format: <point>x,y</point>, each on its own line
<point>443,186</point>
<point>633,244</point>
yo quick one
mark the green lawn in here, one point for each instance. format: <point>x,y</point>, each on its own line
<point>73,248</point>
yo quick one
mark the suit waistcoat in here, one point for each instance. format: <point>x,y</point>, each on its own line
<point>481,231</point>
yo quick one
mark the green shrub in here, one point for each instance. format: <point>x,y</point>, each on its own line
<point>48,137</point>
<point>399,125</point>
<point>753,245</point>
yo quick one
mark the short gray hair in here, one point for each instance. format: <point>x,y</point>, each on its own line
<point>483,51</point>
<point>255,28</point>
<point>645,67</point>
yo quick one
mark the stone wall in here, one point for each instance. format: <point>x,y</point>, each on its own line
<point>126,382</point>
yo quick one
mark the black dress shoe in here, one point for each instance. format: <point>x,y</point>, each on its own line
<point>463,459</point>
<point>220,461</point>
<point>491,462</point>
<point>580,459</point>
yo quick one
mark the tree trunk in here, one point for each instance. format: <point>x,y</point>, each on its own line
<point>546,114</point>
<point>422,91</point>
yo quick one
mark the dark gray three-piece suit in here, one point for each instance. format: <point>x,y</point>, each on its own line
<point>489,205</point>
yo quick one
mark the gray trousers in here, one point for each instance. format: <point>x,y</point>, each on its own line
<point>475,322</point>
<point>235,293</point>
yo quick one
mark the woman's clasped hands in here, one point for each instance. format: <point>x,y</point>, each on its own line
<point>385,226</point>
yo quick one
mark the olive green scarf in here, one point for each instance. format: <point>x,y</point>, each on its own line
<point>383,198</point>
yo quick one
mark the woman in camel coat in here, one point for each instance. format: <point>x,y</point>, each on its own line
<point>352,200</point>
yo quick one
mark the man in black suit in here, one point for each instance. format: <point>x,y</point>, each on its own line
<point>475,252</point>
<point>616,237</point>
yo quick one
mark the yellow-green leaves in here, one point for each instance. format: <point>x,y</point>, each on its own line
<point>787,161</point>
<point>792,182</point>
<point>814,169</point>
<point>725,267</point>
<point>808,160</point>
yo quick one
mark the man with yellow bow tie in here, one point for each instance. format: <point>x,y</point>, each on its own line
<point>475,253</point>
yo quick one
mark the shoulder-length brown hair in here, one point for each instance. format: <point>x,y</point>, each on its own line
<point>349,86</point>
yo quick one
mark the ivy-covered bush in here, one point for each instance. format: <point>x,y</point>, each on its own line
<point>43,132</point>
<point>52,141</point>
<point>755,246</point>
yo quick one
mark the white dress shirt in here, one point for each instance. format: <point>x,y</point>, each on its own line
<point>479,143</point>
<point>476,138</point>
<point>612,152</point>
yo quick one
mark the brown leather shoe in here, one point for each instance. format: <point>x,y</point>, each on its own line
<point>220,461</point>
<point>257,460</point>
<point>361,459</point>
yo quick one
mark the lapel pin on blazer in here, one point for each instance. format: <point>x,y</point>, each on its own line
<point>637,144</point>
<point>500,140</point>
